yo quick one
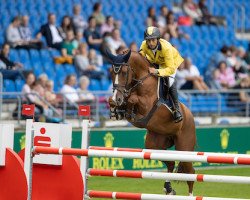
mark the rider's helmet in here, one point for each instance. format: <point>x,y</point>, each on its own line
<point>152,32</point>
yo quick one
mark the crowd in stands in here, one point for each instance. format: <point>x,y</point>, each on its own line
<point>82,43</point>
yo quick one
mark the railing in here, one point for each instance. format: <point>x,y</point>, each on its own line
<point>239,15</point>
<point>213,103</point>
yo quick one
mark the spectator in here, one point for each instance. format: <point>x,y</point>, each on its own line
<point>188,77</point>
<point>225,75</point>
<point>13,37</point>
<point>242,69</point>
<point>51,33</point>
<point>105,43</point>
<point>66,26</point>
<point>50,95</point>
<point>207,17</point>
<point>26,34</point>
<point>78,39</point>
<point>83,92</point>
<point>214,62</point>
<point>162,19</point>
<point>133,46</point>
<point>32,94</point>
<point>83,66</point>
<point>247,56</point>
<point>43,79</point>
<point>78,21</point>
<point>97,14</point>
<point>9,69</point>
<point>173,29</point>
<point>68,89</point>
<point>108,26</point>
<point>26,90</point>
<point>192,10</point>
<point>242,98</point>
<point>92,35</point>
<point>95,59</point>
<point>121,50</point>
<point>68,50</point>
<point>151,19</point>
<point>115,41</point>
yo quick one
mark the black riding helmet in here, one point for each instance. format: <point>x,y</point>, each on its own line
<point>152,32</point>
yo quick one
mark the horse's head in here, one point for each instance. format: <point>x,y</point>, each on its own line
<point>122,77</point>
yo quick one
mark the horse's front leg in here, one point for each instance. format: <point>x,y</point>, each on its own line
<point>157,141</point>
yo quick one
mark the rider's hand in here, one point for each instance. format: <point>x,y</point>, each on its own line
<point>153,71</point>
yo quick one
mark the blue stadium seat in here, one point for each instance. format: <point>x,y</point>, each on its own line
<point>9,85</point>
<point>94,85</point>
<point>19,84</point>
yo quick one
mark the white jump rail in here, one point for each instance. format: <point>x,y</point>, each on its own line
<point>139,196</point>
<point>168,151</point>
<point>169,176</point>
<point>143,155</point>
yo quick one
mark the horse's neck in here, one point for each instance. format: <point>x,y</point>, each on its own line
<point>147,92</point>
<point>140,65</point>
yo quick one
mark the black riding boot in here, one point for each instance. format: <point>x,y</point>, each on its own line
<point>174,95</point>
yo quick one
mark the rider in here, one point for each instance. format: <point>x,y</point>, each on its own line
<point>165,60</point>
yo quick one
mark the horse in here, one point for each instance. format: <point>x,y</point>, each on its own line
<point>135,98</point>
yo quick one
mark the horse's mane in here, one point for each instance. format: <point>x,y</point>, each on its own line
<point>147,63</point>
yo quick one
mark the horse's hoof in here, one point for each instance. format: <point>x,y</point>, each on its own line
<point>169,193</point>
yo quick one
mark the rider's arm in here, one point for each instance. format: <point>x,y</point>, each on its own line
<point>142,49</point>
<point>168,68</point>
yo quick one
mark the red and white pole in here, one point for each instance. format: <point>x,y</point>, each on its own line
<point>144,155</point>
<point>169,176</point>
<point>139,196</point>
<point>169,151</point>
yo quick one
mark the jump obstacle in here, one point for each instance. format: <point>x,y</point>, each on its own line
<point>44,176</point>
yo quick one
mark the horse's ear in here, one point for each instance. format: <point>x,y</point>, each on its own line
<point>127,56</point>
<point>110,56</point>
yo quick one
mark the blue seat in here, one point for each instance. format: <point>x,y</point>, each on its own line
<point>9,85</point>
<point>94,85</point>
<point>24,55</point>
<point>19,84</point>
<point>105,84</point>
<point>70,69</point>
<point>13,55</point>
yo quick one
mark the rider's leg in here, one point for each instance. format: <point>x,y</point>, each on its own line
<point>174,95</point>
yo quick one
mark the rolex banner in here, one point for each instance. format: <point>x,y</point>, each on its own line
<point>226,140</point>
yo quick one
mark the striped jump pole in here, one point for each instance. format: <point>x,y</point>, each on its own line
<point>168,151</point>
<point>143,155</point>
<point>169,176</point>
<point>139,196</point>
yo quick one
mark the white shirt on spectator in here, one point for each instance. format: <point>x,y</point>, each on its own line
<point>12,34</point>
<point>115,44</point>
<point>70,93</point>
<point>85,95</point>
<point>182,74</point>
<point>26,91</point>
<point>56,38</point>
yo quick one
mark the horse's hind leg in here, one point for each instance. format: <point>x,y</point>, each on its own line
<point>156,141</point>
<point>187,167</point>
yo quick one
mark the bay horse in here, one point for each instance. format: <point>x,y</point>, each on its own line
<point>135,98</point>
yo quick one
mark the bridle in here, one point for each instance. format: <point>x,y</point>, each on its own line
<point>128,88</point>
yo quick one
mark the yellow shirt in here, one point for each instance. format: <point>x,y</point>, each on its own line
<point>166,56</point>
